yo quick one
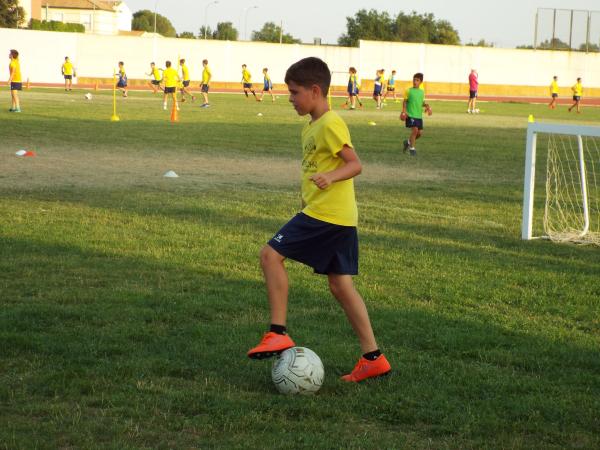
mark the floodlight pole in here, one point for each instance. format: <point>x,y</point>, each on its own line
<point>553,28</point>
<point>535,32</point>
<point>246,11</point>
<point>571,32</point>
<point>155,7</point>
<point>206,16</point>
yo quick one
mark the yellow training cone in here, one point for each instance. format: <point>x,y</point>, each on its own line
<point>530,119</point>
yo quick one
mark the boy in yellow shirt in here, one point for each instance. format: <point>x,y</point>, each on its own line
<point>204,87</point>
<point>553,92</point>
<point>185,77</point>
<point>577,94</point>
<point>247,82</point>
<point>122,81</point>
<point>15,81</point>
<point>322,236</point>
<point>155,73</point>
<point>68,72</point>
<point>171,79</point>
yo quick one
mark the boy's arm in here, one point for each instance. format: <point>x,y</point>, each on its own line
<point>427,108</point>
<point>10,73</point>
<point>403,113</point>
<point>350,169</point>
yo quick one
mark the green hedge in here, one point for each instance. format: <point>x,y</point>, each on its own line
<point>54,25</point>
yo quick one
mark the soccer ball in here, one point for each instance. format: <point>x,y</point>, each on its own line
<point>298,370</point>
<point>88,96</point>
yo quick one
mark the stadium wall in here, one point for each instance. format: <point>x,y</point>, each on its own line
<point>502,72</point>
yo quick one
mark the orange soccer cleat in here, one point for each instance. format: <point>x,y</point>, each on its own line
<point>368,369</point>
<point>270,345</point>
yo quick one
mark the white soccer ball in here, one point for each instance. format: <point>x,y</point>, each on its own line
<point>88,96</point>
<point>298,370</point>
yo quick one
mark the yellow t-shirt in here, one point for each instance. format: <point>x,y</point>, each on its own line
<point>156,74</point>
<point>246,76</point>
<point>15,68</point>
<point>322,140</point>
<point>206,75</point>
<point>67,68</point>
<point>554,87</point>
<point>170,77</point>
<point>185,72</point>
<point>577,89</point>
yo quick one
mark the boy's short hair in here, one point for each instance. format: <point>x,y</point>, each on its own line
<point>244,65</point>
<point>205,61</point>
<point>168,63</point>
<point>418,76</point>
<point>152,64</point>
<point>308,72</point>
<point>121,63</point>
<point>352,69</point>
<point>66,57</point>
<point>578,79</point>
<point>393,71</point>
<point>14,53</point>
<point>265,70</point>
<point>181,61</point>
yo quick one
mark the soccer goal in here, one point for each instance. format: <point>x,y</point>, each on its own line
<point>571,155</point>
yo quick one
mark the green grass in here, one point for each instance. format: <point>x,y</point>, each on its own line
<point>128,301</point>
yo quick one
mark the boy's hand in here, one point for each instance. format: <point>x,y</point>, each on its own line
<point>403,115</point>
<point>322,180</point>
<point>429,111</point>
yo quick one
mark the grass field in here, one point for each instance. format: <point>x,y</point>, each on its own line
<point>128,301</point>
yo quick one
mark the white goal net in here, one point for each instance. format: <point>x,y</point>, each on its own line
<point>569,161</point>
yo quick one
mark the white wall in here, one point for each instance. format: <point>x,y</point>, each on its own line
<point>96,56</point>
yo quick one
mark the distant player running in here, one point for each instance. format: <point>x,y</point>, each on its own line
<point>15,81</point>
<point>267,85</point>
<point>353,89</point>
<point>553,92</point>
<point>206,76</point>
<point>171,80</point>
<point>412,113</point>
<point>378,88</point>
<point>247,82</point>
<point>122,82</point>
<point>577,90</point>
<point>68,72</point>
<point>156,75</point>
<point>391,87</point>
<point>185,77</point>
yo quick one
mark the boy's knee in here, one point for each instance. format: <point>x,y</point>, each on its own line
<point>337,285</point>
<point>268,256</point>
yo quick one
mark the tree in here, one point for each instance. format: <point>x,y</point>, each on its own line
<point>272,33</point>
<point>186,35</point>
<point>205,32</point>
<point>225,32</point>
<point>144,21</point>
<point>379,26</point>
<point>480,43</point>
<point>11,14</point>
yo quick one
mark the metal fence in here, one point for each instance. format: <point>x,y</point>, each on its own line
<point>567,29</point>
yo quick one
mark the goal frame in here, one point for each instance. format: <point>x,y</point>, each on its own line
<point>530,160</point>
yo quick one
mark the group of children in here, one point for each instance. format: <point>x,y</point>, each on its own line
<point>576,89</point>
<point>381,89</point>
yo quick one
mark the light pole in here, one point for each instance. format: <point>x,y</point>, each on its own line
<point>206,16</point>
<point>155,7</point>
<point>246,10</point>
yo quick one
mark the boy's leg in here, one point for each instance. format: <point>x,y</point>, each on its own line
<point>17,104</point>
<point>343,290</point>
<point>414,135</point>
<point>277,283</point>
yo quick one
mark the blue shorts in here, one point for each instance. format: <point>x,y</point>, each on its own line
<point>472,94</point>
<point>122,84</point>
<point>247,85</point>
<point>377,90</point>
<point>170,90</point>
<point>16,86</point>
<point>576,98</point>
<point>391,88</point>
<point>412,123</point>
<point>204,88</point>
<point>155,82</point>
<point>267,88</point>
<point>68,77</point>
<point>554,95</point>
<point>186,83</point>
<point>324,246</point>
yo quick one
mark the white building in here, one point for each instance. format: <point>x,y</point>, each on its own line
<point>97,16</point>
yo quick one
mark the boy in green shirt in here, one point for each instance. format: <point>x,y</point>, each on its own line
<point>412,112</point>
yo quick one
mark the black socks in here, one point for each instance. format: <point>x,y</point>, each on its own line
<point>278,329</point>
<point>372,356</point>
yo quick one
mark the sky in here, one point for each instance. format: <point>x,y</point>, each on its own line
<point>505,23</point>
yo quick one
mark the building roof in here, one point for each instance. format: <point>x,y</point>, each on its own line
<point>103,5</point>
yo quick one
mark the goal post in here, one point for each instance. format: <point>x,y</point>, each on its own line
<point>572,182</point>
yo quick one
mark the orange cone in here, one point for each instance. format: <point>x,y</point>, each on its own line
<point>174,113</point>
<point>27,86</point>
